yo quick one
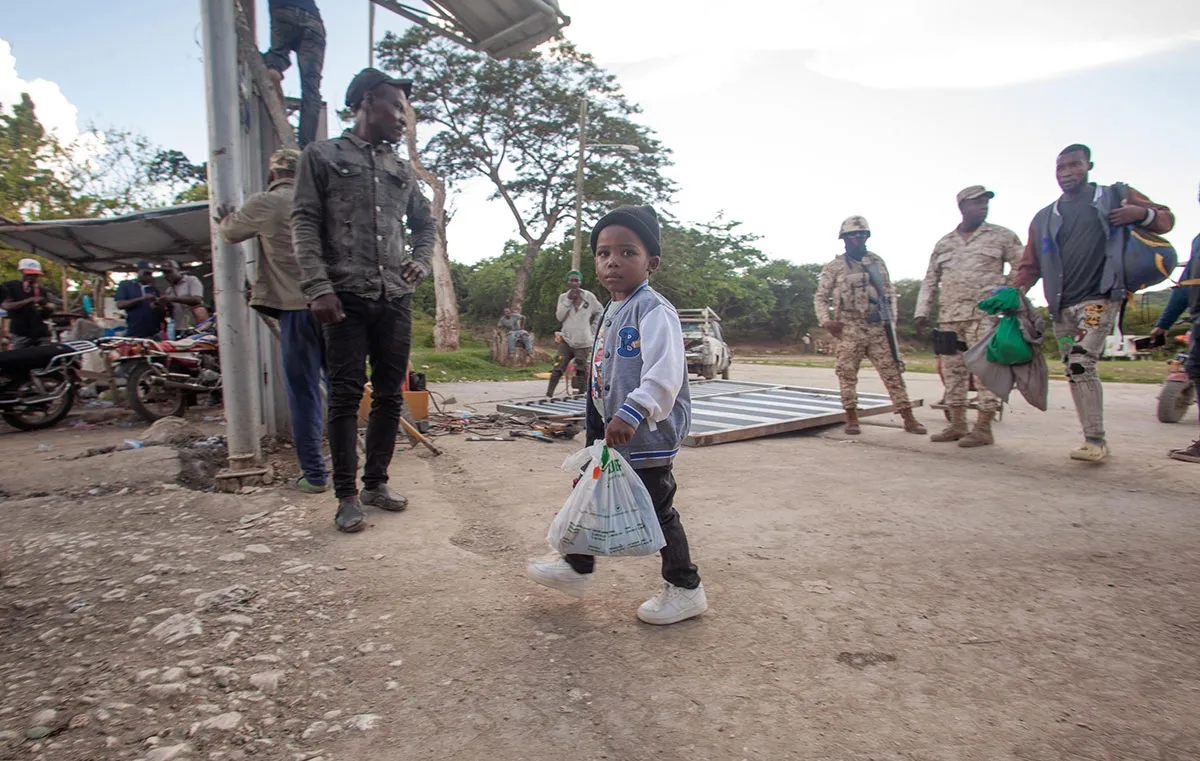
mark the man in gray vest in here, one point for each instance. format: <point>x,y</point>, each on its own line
<point>1076,250</point>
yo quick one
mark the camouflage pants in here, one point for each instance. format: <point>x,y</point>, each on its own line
<point>955,375</point>
<point>862,339</point>
<point>1081,330</point>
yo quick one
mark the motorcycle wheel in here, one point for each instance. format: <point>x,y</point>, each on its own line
<point>1174,400</point>
<point>48,418</point>
<point>153,401</point>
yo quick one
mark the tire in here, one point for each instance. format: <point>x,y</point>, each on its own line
<point>1174,400</point>
<point>140,389</point>
<point>708,372</point>
<point>64,404</point>
<point>725,373</point>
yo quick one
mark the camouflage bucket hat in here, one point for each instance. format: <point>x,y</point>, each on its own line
<point>285,159</point>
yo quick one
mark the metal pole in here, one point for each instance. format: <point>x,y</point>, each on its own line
<point>577,254</point>
<point>234,330</point>
<point>371,33</point>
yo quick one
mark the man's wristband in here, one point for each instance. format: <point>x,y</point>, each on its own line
<point>1149,220</point>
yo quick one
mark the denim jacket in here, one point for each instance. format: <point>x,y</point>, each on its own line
<point>348,213</point>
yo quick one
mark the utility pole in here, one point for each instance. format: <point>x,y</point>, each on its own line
<point>234,332</point>
<point>577,254</point>
<point>371,33</point>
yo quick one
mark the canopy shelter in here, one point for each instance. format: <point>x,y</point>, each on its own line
<point>102,245</point>
<point>499,28</point>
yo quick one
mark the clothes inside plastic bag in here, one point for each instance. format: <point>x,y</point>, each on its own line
<point>609,511</point>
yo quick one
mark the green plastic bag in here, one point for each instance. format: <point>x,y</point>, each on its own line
<point>1008,346</point>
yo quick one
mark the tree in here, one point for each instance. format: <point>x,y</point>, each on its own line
<point>707,265</point>
<point>101,172</point>
<point>793,286</point>
<point>445,320</point>
<point>515,122</point>
<point>907,291</point>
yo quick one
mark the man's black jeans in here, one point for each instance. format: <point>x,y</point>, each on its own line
<point>677,566</point>
<point>297,29</point>
<point>381,331</point>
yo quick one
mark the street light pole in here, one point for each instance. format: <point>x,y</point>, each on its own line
<point>577,253</point>
<point>238,366</point>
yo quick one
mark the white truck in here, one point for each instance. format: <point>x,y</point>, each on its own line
<point>707,353</point>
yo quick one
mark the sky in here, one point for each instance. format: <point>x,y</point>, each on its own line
<point>787,118</point>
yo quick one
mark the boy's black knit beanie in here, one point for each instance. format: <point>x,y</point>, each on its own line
<point>641,219</point>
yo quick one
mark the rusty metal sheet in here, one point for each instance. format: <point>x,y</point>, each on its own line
<point>725,411</point>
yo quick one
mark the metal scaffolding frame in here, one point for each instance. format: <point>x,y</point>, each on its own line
<point>499,28</point>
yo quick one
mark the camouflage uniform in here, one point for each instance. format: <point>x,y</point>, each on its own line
<point>847,283</point>
<point>963,273</point>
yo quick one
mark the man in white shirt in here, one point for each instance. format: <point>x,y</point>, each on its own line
<point>579,312</point>
<point>184,295</point>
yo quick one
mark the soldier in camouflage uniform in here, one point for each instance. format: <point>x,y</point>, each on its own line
<point>966,265</point>
<point>860,313</point>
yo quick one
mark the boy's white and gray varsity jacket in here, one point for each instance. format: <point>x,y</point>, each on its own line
<point>644,372</point>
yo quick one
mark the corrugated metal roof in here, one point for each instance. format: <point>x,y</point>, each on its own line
<point>499,28</point>
<point>725,411</point>
<point>116,243</point>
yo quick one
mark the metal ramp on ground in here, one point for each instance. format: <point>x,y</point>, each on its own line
<point>725,411</point>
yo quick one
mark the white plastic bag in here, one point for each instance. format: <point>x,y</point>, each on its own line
<point>609,512</point>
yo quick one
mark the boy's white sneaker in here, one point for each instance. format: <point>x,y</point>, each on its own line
<point>555,572</point>
<point>673,604</point>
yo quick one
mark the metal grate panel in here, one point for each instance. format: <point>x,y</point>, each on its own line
<point>724,411</point>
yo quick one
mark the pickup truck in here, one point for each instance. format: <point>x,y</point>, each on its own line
<point>707,353</point>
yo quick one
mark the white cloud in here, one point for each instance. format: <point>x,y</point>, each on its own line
<point>53,109</point>
<point>888,44</point>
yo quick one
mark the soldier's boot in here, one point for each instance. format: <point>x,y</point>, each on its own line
<point>957,429</point>
<point>911,424</point>
<point>852,426</point>
<point>982,435</point>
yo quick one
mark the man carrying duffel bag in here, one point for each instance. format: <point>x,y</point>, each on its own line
<point>1084,250</point>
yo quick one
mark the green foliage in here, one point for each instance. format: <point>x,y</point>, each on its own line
<point>714,264</point>
<point>907,291</point>
<point>103,172</point>
<point>516,123</point>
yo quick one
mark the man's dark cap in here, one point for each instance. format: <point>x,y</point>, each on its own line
<point>641,219</point>
<point>145,266</point>
<point>367,80</point>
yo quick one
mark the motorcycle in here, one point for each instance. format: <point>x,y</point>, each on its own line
<point>164,377</point>
<point>1178,393</point>
<point>38,385</point>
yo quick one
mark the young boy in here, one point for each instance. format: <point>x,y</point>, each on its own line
<point>638,403</point>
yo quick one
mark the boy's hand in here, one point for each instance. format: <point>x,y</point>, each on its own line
<point>618,432</point>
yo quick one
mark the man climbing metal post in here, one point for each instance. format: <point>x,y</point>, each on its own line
<point>856,287</point>
<point>966,265</point>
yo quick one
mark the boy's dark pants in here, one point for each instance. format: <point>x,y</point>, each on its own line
<point>677,567</point>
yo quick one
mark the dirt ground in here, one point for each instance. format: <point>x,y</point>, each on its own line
<point>880,598</point>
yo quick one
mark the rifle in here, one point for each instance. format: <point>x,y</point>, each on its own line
<point>884,314</point>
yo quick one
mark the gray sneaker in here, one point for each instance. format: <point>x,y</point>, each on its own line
<point>1187,454</point>
<point>383,498</point>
